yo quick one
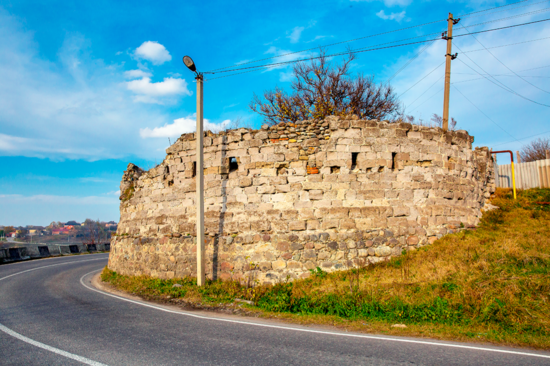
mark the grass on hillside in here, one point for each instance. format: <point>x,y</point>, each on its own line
<point>489,284</point>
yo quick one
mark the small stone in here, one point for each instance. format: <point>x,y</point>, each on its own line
<point>245,301</point>
<point>399,326</point>
<point>176,285</point>
<point>383,251</point>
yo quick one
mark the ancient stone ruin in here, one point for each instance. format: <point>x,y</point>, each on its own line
<point>282,200</point>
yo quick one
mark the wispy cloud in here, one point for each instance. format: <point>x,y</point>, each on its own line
<point>296,34</point>
<point>43,198</point>
<point>398,17</point>
<point>95,180</point>
<point>148,91</point>
<point>137,74</point>
<point>76,106</point>
<point>401,3</point>
<point>154,52</point>
<point>181,126</point>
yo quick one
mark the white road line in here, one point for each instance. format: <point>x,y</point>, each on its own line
<point>50,348</point>
<point>379,338</point>
<point>58,351</point>
<point>51,265</point>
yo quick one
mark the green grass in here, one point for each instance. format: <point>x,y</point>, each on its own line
<point>489,284</point>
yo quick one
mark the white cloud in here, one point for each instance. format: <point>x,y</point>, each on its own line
<point>393,16</point>
<point>286,76</point>
<point>94,180</point>
<point>73,106</point>
<point>137,74</point>
<point>148,91</point>
<point>154,52</point>
<point>401,3</point>
<point>296,34</point>
<point>58,200</point>
<point>181,126</point>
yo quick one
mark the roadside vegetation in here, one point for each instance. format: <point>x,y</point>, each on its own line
<point>490,284</point>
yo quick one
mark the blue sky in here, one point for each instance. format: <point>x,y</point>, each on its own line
<point>87,87</point>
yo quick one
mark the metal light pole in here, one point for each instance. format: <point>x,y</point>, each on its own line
<point>201,278</point>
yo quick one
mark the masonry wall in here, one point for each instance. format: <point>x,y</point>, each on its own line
<point>285,199</point>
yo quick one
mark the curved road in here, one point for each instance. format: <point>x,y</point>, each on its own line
<point>51,315</point>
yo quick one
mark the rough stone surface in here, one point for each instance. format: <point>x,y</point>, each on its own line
<point>354,193</point>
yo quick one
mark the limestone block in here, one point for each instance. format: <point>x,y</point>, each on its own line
<point>297,225</point>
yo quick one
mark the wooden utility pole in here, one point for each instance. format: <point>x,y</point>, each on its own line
<point>518,156</point>
<point>547,154</point>
<point>200,185</point>
<point>449,56</point>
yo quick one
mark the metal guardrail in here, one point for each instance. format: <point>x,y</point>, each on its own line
<point>17,251</point>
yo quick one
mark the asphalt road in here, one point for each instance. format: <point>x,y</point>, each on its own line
<point>51,315</point>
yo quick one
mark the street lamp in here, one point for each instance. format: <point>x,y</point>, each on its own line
<point>199,173</point>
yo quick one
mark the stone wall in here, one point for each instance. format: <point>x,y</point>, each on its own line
<point>285,199</point>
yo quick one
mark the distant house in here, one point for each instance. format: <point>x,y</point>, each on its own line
<point>32,231</point>
<point>71,223</point>
<point>12,234</point>
<point>61,231</point>
<point>110,224</point>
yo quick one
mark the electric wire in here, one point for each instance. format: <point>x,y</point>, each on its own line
<point>481,49</point>
<point>424,77</point>
<point>333,44</point>
<point>489,118</point>
<point>500,11</point>
<point>536,68</point>
<point>378,48</point>
<point>370,36</point>
<point>425,91</point>
<point>503,64</point>
<point>525,76</point>
<point>523,138</point>
<point>496,82</point>
<point>505,45</point>
<point>496,7</point>
<point>409,62</point>
<point>433,95</point>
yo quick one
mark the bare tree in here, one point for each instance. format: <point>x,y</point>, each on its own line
<point>320,90</point>
<point>535,150</point>
<point>438,121</point>
<point>238,122</point>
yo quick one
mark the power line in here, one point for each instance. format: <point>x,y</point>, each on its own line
<point>523,138</point>
<point>425,91</point>
<point>502,63</point>
<point>498,83</point>
<point>331,55</point>
<point>424,77</point>
<point>506,45</point>
<point>525,76</point>
<point>501,28</point>
<point>368,36</point>
<point>375,49</point>
<point>494,12</point>
<point>333,44</point>
<point>433,95</point>
<point>535,68</point>
<point>409,62</point>
<point>489,118</point>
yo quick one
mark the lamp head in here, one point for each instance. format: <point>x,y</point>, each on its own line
<point>189,63</point>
